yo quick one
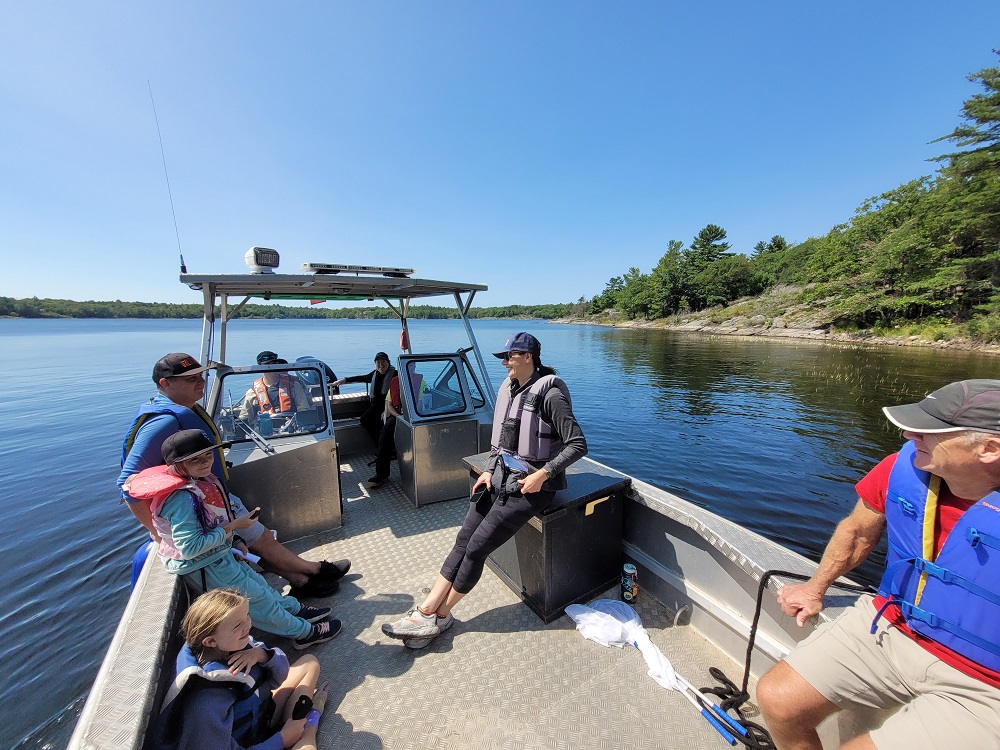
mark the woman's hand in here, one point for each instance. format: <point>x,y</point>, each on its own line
<point>292,731</point>
<point>243,661</point>
<point>485,482</point>
<point>533,482</point>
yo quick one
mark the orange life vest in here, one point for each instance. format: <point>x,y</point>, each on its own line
<point>284,394</point>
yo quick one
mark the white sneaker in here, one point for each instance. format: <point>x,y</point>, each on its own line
<point>415,624</point>
<point>443,624</point>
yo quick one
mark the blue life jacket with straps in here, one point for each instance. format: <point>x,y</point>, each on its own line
<point>953,598</point>
<point>195,418</point>
<point>537,439</point>
<point>252,707</point>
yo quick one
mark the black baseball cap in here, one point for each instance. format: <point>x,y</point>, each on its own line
<point>381,355</point>
<point>187,444</point>
<point>174,365</point>
<point>267,358</point>
<point>520,342</point>
<point>965,405</point>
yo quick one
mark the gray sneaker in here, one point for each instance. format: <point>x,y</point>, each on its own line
<point>443,624</point>
<point>321,633</point>
<point>415,624</point>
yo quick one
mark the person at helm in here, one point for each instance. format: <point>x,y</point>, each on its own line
<point>273,392</point>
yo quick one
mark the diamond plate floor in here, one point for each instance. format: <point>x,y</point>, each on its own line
<point>499,678</point>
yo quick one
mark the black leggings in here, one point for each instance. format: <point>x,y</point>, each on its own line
<point>487,525</point>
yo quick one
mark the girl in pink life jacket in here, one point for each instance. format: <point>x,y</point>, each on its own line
<point>190,515</point>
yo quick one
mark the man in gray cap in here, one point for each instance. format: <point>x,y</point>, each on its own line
<point>929,643</point>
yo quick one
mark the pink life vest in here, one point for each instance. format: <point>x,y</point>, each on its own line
<point>158,483</point>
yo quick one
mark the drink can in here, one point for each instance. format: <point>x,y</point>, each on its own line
<point>630,583</point>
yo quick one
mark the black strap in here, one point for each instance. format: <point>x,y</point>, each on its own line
<point>732,698</point>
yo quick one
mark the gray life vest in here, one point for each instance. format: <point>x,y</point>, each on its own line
<point>537,439</point>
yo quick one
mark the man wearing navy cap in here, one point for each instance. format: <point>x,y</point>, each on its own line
<point>929,643</point>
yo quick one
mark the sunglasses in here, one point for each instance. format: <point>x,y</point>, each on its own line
<point>508,355</point>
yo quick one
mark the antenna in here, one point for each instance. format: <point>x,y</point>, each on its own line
<point>167,177</point>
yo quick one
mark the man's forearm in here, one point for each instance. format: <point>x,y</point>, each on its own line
<point>849,546</point>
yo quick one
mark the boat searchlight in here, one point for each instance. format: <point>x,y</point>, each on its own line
<point>261,259</point>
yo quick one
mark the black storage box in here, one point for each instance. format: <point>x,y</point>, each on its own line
<point>570,551</point>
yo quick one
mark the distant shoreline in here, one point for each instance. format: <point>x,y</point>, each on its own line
<point>698,327</point>
<point>792,334</point>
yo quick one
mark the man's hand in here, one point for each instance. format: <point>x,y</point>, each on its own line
<point>801,601</point>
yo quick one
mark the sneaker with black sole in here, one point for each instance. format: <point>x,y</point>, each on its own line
<point>415,625</point>
<point>443,624</point>
<point>321,633</point>
<point>315,588</point>
<point>333,571</point>
<point>313,614</point>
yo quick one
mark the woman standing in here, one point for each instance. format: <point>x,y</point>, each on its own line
<point>535,439</point>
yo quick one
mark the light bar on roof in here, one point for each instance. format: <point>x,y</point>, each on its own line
<point>397,273</point>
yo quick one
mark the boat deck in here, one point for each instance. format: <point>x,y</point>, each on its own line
<point>499,678</point>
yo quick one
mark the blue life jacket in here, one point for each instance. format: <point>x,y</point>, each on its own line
<point>251,711</point>
<point>195,418</point>
<point>959,606</point>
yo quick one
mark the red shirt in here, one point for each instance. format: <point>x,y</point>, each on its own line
<point>872,491</point>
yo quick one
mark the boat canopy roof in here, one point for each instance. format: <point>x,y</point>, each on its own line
<point>323,286</point>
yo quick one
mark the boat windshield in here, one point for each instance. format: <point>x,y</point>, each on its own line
<point>277,403</point>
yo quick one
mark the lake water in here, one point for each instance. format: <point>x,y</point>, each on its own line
<point>772,435</point>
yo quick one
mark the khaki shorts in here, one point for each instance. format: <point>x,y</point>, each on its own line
<point>939,707</point>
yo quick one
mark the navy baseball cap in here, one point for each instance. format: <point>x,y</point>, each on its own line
<point>520,342</point>
<point>267,358</point>
<point>965,405</point>
<point>382,355</point>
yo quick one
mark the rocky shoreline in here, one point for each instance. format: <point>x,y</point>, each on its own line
<point>779,330</point>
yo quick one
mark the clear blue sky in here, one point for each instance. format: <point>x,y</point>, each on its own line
<point>539,147</point>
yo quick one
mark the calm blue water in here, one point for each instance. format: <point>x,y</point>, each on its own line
<point>772,435</point>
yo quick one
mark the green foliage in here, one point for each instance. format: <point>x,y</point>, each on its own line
<point>63,308</point>
<point>926,250</point>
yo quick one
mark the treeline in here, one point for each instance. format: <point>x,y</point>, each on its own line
<point>64,308</point>
<point>929,249</point>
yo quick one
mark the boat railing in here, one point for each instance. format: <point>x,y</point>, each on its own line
<point>133,679</point>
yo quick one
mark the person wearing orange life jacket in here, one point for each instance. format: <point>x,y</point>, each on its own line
<point>273,392</point>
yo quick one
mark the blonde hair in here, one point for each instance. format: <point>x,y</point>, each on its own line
<point>205,615</point>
